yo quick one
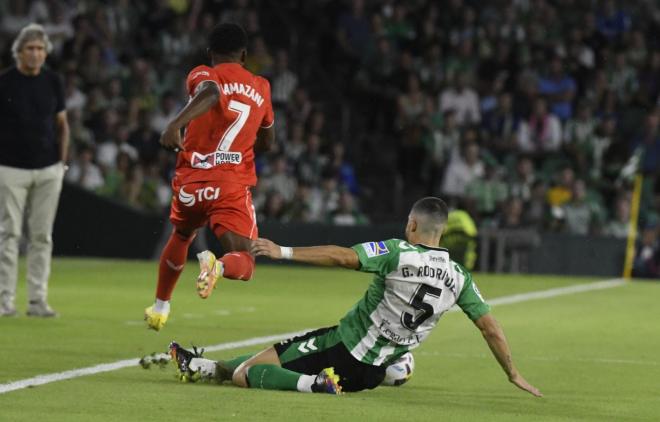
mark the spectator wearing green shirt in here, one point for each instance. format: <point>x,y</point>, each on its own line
<point>487,192</point>
<point>581,214</point>
<point>620,225</point>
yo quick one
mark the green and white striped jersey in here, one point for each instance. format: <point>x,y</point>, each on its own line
<point>413,286</point>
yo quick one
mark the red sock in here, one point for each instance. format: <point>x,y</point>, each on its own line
<point>172,260</point>
<point>238,265</point>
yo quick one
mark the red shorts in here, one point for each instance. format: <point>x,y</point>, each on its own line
<point>224,206</point>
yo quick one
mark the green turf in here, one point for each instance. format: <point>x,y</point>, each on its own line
<point>595,355</point>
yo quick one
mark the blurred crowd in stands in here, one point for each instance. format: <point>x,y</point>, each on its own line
<point>525,113</point>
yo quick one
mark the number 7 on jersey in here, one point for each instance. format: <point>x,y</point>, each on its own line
<point>228,137</point>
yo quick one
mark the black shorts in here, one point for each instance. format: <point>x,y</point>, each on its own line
<point>316,350</point>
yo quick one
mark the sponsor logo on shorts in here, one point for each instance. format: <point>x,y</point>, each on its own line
<point>205,162</point>
<point>373,249</point>
<point>208,193</point>
<point>186,198</point>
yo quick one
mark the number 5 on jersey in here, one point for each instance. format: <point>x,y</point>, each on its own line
<point>425,309</point>
<point>228,137</point>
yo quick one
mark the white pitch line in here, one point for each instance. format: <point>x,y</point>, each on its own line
<point>106,367</point>
<point>559,291</point>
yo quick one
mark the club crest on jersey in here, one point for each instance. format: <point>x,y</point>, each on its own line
<point>373,249</point>
<point>205,162</point>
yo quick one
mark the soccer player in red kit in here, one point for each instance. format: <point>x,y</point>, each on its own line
<point>229,115</point>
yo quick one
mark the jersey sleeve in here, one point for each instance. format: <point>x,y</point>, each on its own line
<point>197,76</point>
<point>470,299</point>
<point>378,257</point>
<point>269,115</point>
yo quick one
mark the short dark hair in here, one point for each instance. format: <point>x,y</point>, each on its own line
<point>227,38</point>
<point>433,208</point>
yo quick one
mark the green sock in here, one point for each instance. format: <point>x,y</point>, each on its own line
<point>235,362</point>
<point>224,369</point>
<point>272,377</point>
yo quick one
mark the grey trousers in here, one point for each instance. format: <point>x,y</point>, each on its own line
<point>36,194</point>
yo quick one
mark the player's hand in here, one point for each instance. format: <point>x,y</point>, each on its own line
<point>522,383</point>
<point>265,247</point>
<point>171,139</point>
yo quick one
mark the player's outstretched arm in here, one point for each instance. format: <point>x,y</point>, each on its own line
<point>496,340</point>
<point>206,96</point>
<point>330,255</point>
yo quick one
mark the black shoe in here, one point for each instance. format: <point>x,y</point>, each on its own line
<point>181,358</point>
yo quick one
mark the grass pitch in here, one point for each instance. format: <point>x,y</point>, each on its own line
<point>595,355</point>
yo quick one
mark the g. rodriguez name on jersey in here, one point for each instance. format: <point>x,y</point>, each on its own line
<point>426,271</point>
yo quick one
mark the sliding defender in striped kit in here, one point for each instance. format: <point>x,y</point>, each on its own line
<point>229,115</point>
<point>414,283</point>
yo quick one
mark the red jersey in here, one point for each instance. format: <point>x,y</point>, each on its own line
<point>219,145</point>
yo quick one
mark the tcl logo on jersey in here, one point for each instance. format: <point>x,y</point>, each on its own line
<point>205,162</point>
<point>204,194</point>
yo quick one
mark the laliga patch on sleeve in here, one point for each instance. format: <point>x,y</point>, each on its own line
<point>373,249</point>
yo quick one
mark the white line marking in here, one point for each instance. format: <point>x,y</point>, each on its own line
<point>107,367</point>
<point>247,309</point>
<point>544,294</point>
<point>559,291</point>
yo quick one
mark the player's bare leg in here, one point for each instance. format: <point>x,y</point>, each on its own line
<point>236,264</point>
<point>264,370</point>
<point>265,357</point>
